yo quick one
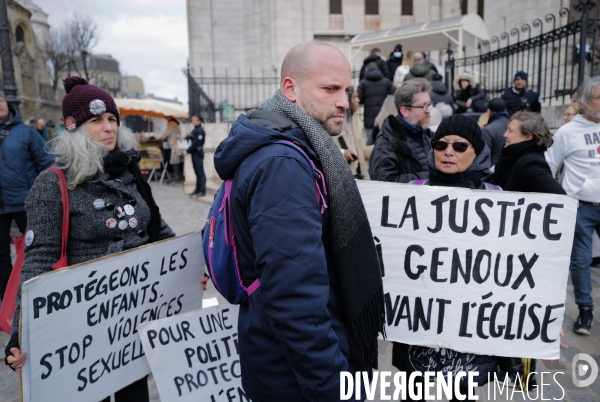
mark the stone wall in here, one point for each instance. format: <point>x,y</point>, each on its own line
<point>258,33</point>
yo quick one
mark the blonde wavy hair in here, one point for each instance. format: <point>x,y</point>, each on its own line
<point>82,157</point>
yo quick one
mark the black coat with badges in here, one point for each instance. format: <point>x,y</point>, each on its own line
<point>90,236</point>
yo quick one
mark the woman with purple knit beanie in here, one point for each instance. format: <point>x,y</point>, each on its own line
<point>111,205</point>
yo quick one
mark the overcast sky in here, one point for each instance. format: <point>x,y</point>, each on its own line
<point>147,37</point>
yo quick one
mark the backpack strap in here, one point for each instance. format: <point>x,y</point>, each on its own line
<point>225,208</point>
<point>321,188</point>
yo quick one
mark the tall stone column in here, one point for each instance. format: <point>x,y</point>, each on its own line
<point>8,72</point>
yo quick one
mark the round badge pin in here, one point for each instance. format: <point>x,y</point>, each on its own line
<point>97,107</point>
<point>111,223</point>
<point>133,222</point>
<point>122,225</point>
<point>129,210</point>
<point>99,204</point>
<point>119,212</point>
<point>29,238</point>
<point>70,123</point>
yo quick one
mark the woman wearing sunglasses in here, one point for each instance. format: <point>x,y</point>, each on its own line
<point>459,158</point>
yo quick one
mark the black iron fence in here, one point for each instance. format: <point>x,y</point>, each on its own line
<point>551,56</point>
<point>218,98</point>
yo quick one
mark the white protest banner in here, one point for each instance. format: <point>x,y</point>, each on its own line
<point>79,324</point>
<point>474,271</point>
<point>194,356</point>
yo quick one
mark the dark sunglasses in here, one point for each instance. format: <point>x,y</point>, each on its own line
<point>457,146</point>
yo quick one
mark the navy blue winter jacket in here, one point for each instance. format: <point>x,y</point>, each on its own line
<point>292,339</point>
<point>22,158</point>
<point>198,136</point>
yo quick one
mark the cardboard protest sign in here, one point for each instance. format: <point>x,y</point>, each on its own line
<point>79,324</point>
<point>482,272</point>
<point>194,356</point>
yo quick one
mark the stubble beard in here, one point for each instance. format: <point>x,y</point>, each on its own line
<point>324,119</point>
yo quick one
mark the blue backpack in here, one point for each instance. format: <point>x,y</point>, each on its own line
<point>219,245</point>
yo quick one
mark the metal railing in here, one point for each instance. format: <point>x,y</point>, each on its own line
<point>552,59</point>
<point>217,98</point>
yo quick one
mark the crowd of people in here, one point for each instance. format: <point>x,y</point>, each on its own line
<point>319,308</point>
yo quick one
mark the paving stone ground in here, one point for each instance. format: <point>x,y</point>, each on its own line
<point>185,214</point>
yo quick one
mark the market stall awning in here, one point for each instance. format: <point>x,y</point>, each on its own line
<point>466,30</point>
<point>150,108</point>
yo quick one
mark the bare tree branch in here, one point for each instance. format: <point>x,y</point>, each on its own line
<point>85,35</point>
<point>59,53</point>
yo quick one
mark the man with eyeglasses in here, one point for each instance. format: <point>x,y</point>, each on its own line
<point>402,146</point>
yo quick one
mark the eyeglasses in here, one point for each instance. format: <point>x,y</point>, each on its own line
<point>443,145</point>
<point>424,107</point>
<point>568,114</point>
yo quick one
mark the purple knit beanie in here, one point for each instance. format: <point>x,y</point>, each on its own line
<point>84,101</point>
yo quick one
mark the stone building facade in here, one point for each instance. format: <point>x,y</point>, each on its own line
<point>232,34</point>
<point>29,28</point>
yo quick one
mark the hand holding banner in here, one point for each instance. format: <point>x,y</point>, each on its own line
<point>79,323</point>
<point>474,271</point>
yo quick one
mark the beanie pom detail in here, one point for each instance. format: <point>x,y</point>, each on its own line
<point>70,82</point>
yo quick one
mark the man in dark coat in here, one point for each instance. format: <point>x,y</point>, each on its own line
<point>519,97</point>
<point>375,57</point>
<point>439,92</point>
<point>372,91</point>
<point>395,60</point>
<point>294,338</point>
<point>196,149</point>
<point>22,158</point>
<point>420,69</point>
<point>401,148</point>
<point>493,132</point>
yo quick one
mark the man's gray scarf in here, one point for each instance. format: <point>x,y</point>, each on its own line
<point>355,258</point>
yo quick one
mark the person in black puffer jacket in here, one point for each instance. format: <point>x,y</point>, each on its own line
<point>401,148</point>
<point>439,93</point>
<point>375,57</point>
<point>372,91</point>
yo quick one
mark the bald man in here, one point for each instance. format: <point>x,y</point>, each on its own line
<point>318,307</point>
